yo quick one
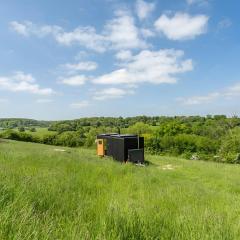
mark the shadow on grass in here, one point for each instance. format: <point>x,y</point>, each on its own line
<point>149,163</point>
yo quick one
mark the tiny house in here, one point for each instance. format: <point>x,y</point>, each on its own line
<point>122,147</point>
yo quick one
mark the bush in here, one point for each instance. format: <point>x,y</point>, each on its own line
<point>32,129</point>
<point>182,144</point>
<point>69,139</point>
<point>21,129</point>
<point>49,139</point>
<point>230,147</point>
<point>139,128</point>
<point>19,136</point>
<point>91,137</point>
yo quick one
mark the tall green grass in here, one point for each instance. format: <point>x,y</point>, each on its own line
<point>40,132</point>
<point>47,194</point>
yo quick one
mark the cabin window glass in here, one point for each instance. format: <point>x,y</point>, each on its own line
<point>100,142</point>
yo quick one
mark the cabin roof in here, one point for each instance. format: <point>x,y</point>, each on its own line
<point>115,135</point>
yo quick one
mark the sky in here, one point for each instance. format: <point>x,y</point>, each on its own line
<point>76,58</point>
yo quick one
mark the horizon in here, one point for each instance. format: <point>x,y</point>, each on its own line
<point>111,58</point>
<point>124,117</point>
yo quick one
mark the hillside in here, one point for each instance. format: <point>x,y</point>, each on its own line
<point>46,193</point>
<point>22,122</point>
<point>205,138</point>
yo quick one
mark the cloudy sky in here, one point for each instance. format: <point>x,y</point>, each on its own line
<point>75,58</point>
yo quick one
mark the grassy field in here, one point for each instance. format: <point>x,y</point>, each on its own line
<point>46,193</point>
<point>40,132</point>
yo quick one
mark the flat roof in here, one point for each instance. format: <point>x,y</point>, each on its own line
<point>115,135</point>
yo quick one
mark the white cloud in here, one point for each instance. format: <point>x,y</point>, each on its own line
<point>122,32</point>
<point>118,33</point>
<point>197,100</point>
<point>111,93</point>
<point>21,82</point>
<point>84,36</point>
<point>147,33</point>
<point>81,66</point>
<point>198,2</point>
<point>81,55</point>
<point>27,28</point>
<point>181,26</point>
<point>76,80</point>
<point>21,76</point>
<point>44,100</point>
<point>143,9</point>
<point>154,67</point>
<point>81,104</point>
<point>233,91</point>
<point>228,93</point>
<point>19,28</point>
<point>124,55</point>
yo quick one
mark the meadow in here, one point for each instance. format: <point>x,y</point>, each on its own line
<point>209,138</point>
<point>49,192</point>
<point>40,132</point>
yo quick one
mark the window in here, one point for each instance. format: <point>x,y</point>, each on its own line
<point>100,142</point>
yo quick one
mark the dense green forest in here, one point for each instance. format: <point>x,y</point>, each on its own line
<point>11,123</point>
<point>214,138</point>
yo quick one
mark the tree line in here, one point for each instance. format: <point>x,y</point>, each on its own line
<point>194,137</point>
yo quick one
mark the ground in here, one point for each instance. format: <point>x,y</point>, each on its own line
<point>40,132</point>
<point>48,193</point>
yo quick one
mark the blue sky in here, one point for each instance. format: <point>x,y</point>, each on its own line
<point>76,58</point>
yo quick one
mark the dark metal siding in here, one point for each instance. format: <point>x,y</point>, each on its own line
<point>109,147</point>
<point>141,142</point>
<point>129,143</point>
<point>118,149</point>
<point>136,155</point>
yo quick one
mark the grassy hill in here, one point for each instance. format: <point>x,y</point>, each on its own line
<point>47,193</point>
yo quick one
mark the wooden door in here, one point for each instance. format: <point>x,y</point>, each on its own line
<point>100,147</point>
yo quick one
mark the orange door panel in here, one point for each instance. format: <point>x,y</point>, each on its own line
<point>100,147</point>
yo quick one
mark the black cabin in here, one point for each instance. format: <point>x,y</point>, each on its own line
<point>122,147</point>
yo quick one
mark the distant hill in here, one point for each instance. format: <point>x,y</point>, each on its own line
<point>22,122</point>
<point>111,121</point>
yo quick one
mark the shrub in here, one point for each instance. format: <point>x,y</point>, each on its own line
<point>19,136</point>
<point>139,128</point>
<point>21,129</point>
<point>182,144</point>
<point>49,139</point>
<point>32,129</point>
<point>69,139</point>
<point>230,147</point>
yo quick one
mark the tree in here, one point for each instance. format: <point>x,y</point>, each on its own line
<point>139,128</point>
<point>21,129</point>
<point>32,129</point>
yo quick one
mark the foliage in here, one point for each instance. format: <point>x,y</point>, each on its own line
<point>69,139</point>
<point>209,137</point>
<point>32,129</point>
<point>11,123</point>
<point>139,128</point>
<point>21,129</point>
<point>182,144</point>
<point>230,147</point>
<point>19,136</point>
